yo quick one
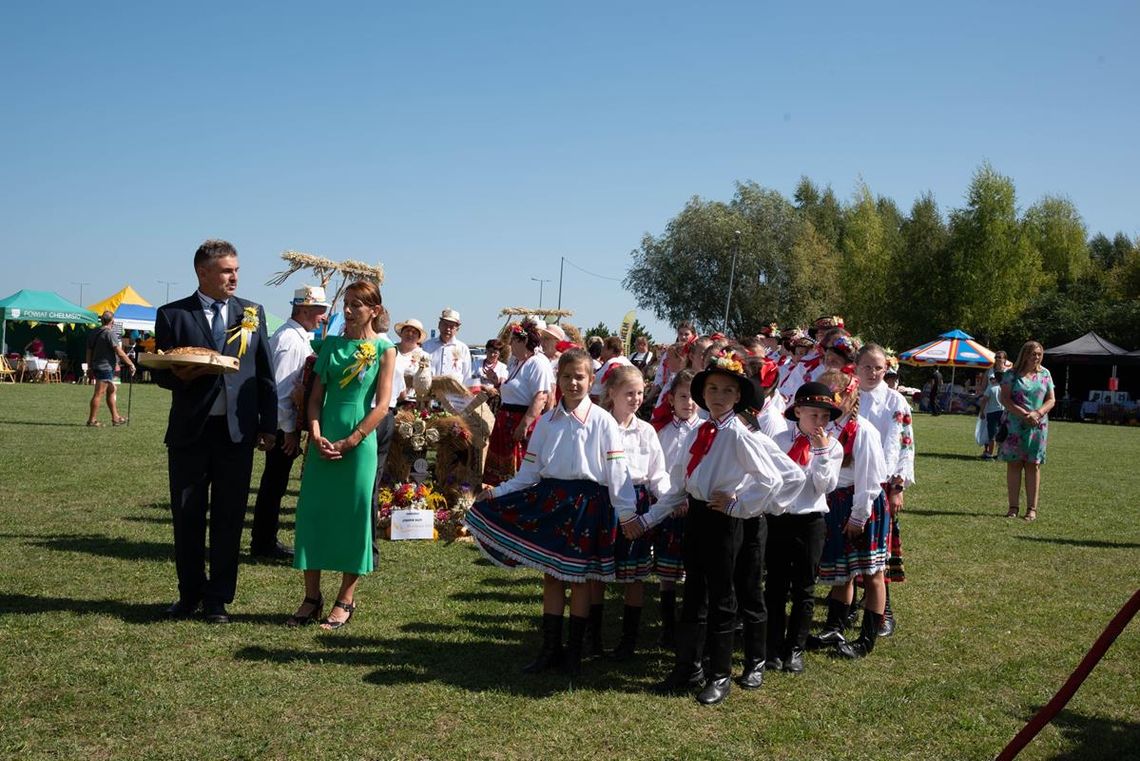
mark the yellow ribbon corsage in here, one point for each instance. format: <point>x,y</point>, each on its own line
<point>249,323</point>
<point>365,357</point>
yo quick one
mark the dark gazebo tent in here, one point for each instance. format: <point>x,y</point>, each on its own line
<point>1090,352</point>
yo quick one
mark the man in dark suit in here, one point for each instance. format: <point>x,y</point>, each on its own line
<point>215,421</point>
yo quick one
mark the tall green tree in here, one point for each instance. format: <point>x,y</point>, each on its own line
<point>994,269</point>
<point>865,268</point>
<point>921,277</point>
<point>601,330</point>
<point>811,278</point>
<point>1055,228</point>
<point>822,209</point>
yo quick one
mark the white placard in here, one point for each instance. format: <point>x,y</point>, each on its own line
<point>413,524</point>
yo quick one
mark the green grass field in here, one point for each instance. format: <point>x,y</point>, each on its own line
<point>995,615</point>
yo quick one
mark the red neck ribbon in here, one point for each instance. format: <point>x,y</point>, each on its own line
<point>701,446</point>
<point>800,452</point>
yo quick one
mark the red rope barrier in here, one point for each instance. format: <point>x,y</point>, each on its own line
<point>1069,688</point>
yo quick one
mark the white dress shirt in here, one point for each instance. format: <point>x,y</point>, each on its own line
<point>452,359</point>
<point>822,473</point>
<point>645,456</point>
<point>737,458</point>
<point>886,409</point>
<point>771,418</point>
<point>479,379</point>
<point>672,438</point>
<point>219,406</point>
<point>580,444</point>
<point>752,500</point>
<point>867,471</point>
<point>289,347</point>
<point>528,378</point>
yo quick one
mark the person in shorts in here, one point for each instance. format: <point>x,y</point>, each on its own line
<point>103,354</point>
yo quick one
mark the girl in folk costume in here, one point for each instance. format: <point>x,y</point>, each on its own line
<point>560,512</point>
<point>633,559</point>
<point>888,411</point>
<point>796,532</point>
<point>673,361</point>
<point>723,458</point>
<point>524,397</point>
<point>805,360</point>
<point>858,525</point>
<point>839,353</point>
<point>668,560</point>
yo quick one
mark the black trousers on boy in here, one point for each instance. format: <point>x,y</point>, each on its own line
<point>749,587</point>
<point>795,543</point>
<point>711,545</point>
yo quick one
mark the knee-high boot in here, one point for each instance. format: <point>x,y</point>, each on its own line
<point>550,655</point>
<point>668,604</point>
<point>594,631</point>
<point>687,674</point>
<point>755,651</point>
<point>833,628</point>
<point>863,646</point>
<point>719,682</point>
<point>630,624</point>
<point>572,658</point>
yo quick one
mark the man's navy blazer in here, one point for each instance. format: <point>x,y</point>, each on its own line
<point>251,393</point>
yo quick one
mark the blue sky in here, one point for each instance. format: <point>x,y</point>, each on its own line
<point>469,146</point>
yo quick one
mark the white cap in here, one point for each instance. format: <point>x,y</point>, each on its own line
<point>310,296</point>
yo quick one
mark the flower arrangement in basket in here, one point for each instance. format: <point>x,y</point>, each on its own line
<point>448,519</point>
<point>416,433</point>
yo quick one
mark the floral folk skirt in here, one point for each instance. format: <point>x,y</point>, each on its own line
<point>565,529</point>
<point>634,559</point>
<point>843,559</point>
<point>504,454</point>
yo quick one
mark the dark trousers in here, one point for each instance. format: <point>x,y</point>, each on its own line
<point>384,433</point>
<point>267,508</point>
<point>795,543</point>
<point>210,477</point>
<point>712,541</point>
<point>750,570</point>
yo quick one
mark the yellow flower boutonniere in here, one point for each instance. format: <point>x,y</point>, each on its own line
<point>242,332</point>
<point>365,357</point>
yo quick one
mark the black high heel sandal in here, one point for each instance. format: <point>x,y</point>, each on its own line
<point>317,603</point>
<point>333,625</point>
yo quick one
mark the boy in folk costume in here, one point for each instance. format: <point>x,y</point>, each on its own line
<point>804,360</point>
<point>724,458</point>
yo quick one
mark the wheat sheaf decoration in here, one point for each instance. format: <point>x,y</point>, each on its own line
<point>542,312</point>
<point>349,270</point>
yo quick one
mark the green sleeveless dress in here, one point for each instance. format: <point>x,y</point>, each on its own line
<point>334,511</point>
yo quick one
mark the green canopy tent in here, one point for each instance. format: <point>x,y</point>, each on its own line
<point>41,306</point>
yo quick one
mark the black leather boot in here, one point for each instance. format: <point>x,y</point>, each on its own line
<point>863,646</point>
<point>668,604</point>
<point>572,658</point>
<point>550,656</point>
<point>853,611</point>
<point>594,632</point>
<point>755,649</point>
<point>719,682</point>
<point>793,661</point>
<point>832,632</point>
<point>630,623</point>
<point>887,628</point>
<point>687,674</point>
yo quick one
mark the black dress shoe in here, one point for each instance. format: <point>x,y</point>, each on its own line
<point>276,552</point>
<point>794,661</point>
<point>181,609</point>
<point>774,664</point>
<point>715,691</point>
<point>825,639</point>
<point>215,613</point>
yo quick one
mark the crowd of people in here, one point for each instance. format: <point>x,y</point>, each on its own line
<point>748,469</point>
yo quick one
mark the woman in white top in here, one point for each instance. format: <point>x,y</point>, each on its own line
<point>858,525</point>
<point>491,372</point>
<point>408,356</point>
<point>560,512</point>
<point>524,395</point>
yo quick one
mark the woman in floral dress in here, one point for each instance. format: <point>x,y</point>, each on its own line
<point>1027,395</point>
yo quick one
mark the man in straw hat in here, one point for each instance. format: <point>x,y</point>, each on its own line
<point>449,355</point>
<point>290,346</point>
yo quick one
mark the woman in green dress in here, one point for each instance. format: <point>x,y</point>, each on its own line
<point>1027,395</point>
<point>352,384</point>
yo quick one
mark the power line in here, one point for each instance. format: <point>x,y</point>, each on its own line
<point>592,274</point>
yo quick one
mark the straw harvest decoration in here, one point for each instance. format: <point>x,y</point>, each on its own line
<point>325,269</point>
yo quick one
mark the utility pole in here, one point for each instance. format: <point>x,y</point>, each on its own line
<point>80,291</point>
<point>540,282</point>
<point>168,283</point>
<point>561,268</point>
<point>731,276</point>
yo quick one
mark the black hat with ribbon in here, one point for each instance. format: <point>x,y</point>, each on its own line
<point>730,364</point>
<point>814,394</point>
